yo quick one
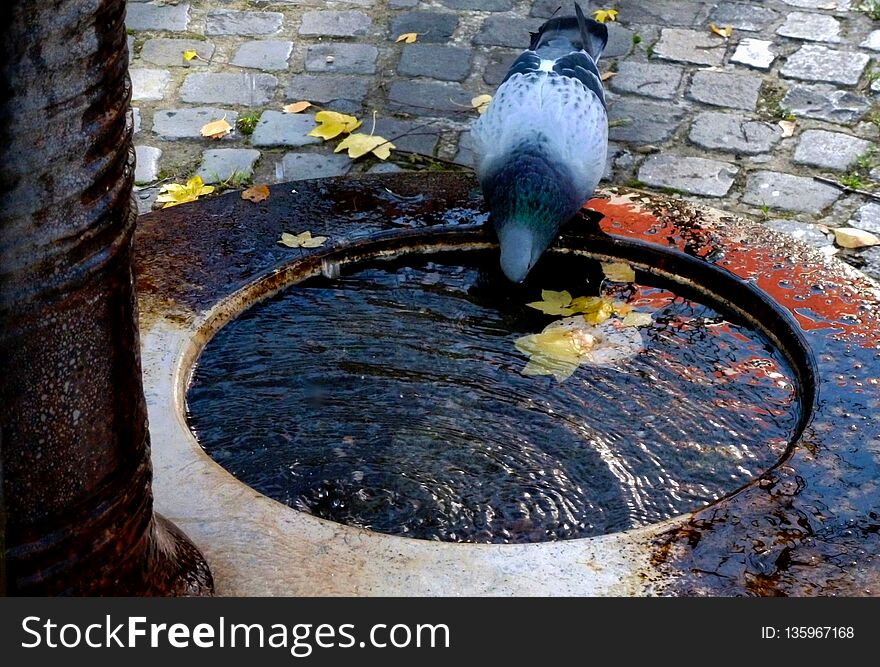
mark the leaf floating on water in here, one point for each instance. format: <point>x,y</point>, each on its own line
<point>481,103</point>
<point>787,127</point>
<point>216,129</point>
<point>256,193</point>
<point>603,310</point>
<point>555,351</point>
<point>407,37</point>
<point>724,32</point>
<point>360,144</point>
<point>637,320</point>
<point>303,240</point>
<point>850,237</point>
<point>619,272</point>
<point>553,303</point>
<point>173,194</point>
<point>296,107</point>
<point>603,15</point>
<point>332,124</point>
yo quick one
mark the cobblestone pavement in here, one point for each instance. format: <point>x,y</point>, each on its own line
<point>691,112</point>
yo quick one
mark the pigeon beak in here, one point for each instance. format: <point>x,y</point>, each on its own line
<point>517,244</point>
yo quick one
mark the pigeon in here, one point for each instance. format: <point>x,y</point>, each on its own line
<point>540,147</point>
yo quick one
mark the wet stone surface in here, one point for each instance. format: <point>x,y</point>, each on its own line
<point>671,77</point>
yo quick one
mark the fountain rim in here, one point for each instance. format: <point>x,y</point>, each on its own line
<point>469,238</point>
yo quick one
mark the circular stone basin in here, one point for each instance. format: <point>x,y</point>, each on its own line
<point>395,398</point>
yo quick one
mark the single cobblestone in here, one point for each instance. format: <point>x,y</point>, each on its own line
<point>504,31</point>
<point>824,102</point>
<point>265,54</point>
<point>431,26</point>
<point>819,63</point>
<point>326,88</point>
<point>136,120</point>
<point>802,231</point>
<point>169,52</point>
<point>409,135</point>
<point>811,27</point>
<point>342,57</point>
<point>242,88</point>
<point>872,42</point>
<point>620,41</point>
<point>788,192</point>
<point>733,134</point>
<point>499,63</point>
<point>232,22</point>
<point>754,53</point>
<point>149,16</point>
<point>690,46</point>
<point>335,24</point>
<point>726,89</point>
<point>430,99</point>
<point>284,129</point>
<point>447,63</point>
<point>303,166</point>
<point>637,121</point>
<point>222,164</point>
<point>829,150</point>
<point>479,5</point>
<point>649,80</point>
<point>146,163</point>
<point>694,175</point>
<point>148,84</point>
<point>867,217</point>
<point>661,12</point>
<point>172,124</point>
<point>740,16</point>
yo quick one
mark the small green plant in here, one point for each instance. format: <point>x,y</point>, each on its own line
<point>765,212</point>
<point>871,8</point>
<point>770,102</point>
<point>853,180</point>
<point>634,183</point>
<point>637,39</point>
<point>650,51</point>
<point>236,180</point>
<point>247,124</point>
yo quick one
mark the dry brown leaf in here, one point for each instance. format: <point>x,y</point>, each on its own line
<point>296,107</point>
<point>216,129</point>
<point>607,75</point>
<point>481,103</point>
<point>724,32</point>
<point>407,37</point>
<point>787,128</point>
<point>850,237</point>
<point>256,193</point>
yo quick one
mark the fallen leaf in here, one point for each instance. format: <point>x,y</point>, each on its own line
<point>850,237</point>
<point>189,55</point>
<point>481,103</point>
<point>787,128</point>
<point>607,75</point>
<point>724,32</point>
<point>303,240</point>
<point>603,15</point>
<point>216,129</point>
<point>332,124</point>
<point>359,144</point>
<point>256,193</point>
<point>172,194</point>
<point>407,37</point>
<point>555,351</point>
<point>621,309</point>
<point>553,303</point>
<point>637,320</point>
<point>619,272</point>
<point>296,107</point>
<point>600,313</point>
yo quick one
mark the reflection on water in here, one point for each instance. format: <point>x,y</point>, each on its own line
<point>392,399</point>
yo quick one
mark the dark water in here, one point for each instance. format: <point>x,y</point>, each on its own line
<point>392,399</point>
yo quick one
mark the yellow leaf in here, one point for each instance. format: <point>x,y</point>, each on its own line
<point>619,272</point>
<point>607,75</point>
<point>553,303</point>
<point>216,129</point>
<point>173,194</point>
<point>850,237</point>
<point>621,308</point>
<point>407,37</point>
<point>256,193</point>
<point>556,351</point>
<point>637,320</point>
<point>359,144</point>
<point>481,103</point>
<point>332,124</point>
<point>189,55</point>
<point>296,107</point>
<point>787,128</point>
<point>303,240</point>
<point>603,15</point>
<point>724,32</point>
<point>601,313</point>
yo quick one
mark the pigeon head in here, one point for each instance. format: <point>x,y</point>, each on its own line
<point>522,245</point>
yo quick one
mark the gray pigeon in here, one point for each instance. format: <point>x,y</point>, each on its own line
<point>542,142</point>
